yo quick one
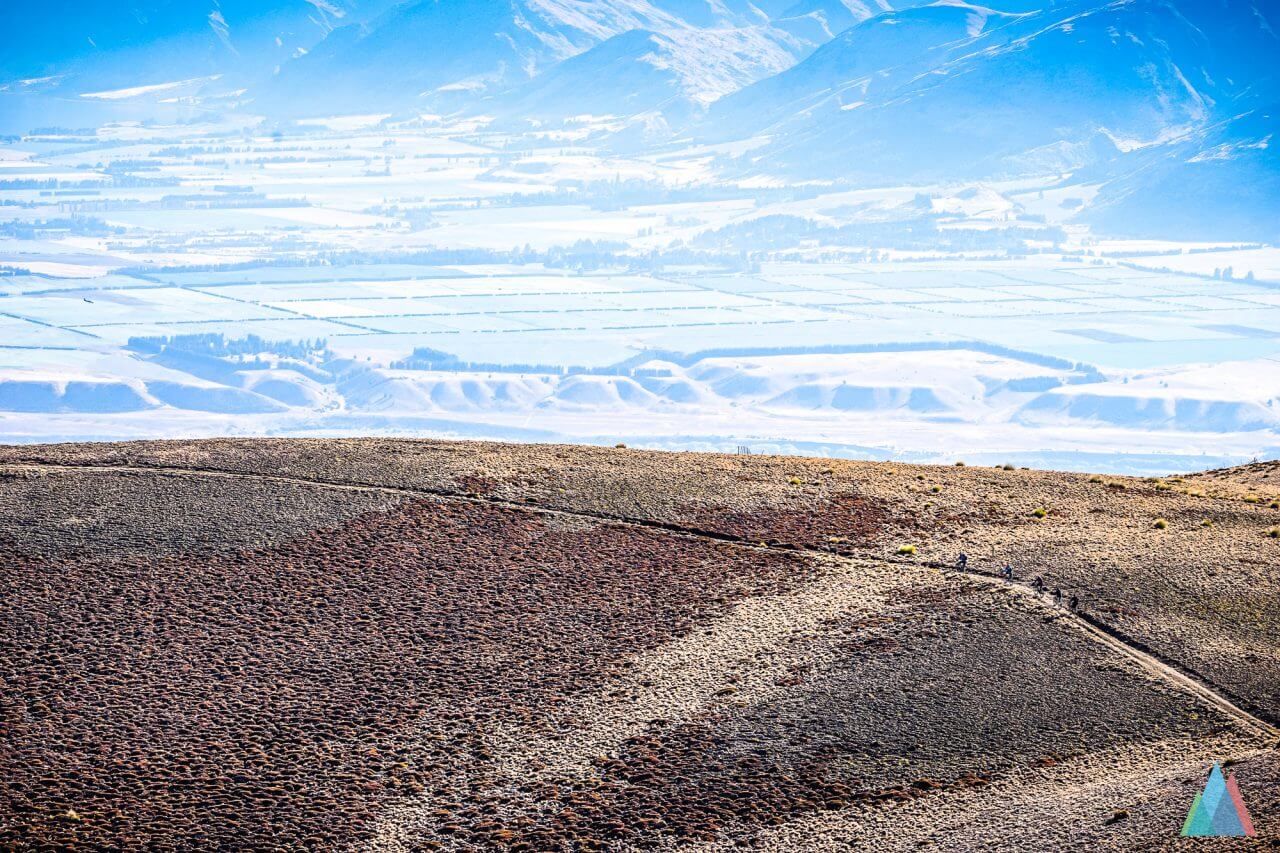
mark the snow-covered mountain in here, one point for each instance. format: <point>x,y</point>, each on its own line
<point>1158,101</point>
<point>675,72</point>
<point>818,21</point>
<point>72,63</point>
<point>558,57</point>
<point>865,62</point>
<point>1220,184</point>
<point>951,89</point>
<point>637,71</point>
<point>104,46</point>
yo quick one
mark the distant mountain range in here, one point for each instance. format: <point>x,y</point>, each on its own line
<point>89,47</point>
<point>1220,183</point>
<point>562,57</point>
<point>1153,96</point>
<point>66,62</point>
<point>952,90</point>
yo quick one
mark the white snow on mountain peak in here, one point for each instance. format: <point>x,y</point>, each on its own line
<point>325,7</point>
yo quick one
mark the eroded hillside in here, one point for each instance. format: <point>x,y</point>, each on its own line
<point>432,645</point>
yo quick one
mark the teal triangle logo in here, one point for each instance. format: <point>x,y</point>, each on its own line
<point>1218,811</point>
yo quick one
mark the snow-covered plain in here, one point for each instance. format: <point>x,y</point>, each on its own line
<point>553,290</point>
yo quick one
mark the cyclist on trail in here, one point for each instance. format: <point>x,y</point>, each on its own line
<point>1057,597</point>
<point>962,562</point>
<point>1074,603</point>
<point>1007,572</point>
<point>1038,584</point>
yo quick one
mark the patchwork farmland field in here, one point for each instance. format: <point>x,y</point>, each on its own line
<point>409,278</point>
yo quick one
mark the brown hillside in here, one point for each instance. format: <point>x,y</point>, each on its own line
<point>434,645</point>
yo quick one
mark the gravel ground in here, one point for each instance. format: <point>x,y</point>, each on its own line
<point>71,514</point>
<point>274,687</point>
<point>329,667</point>
<point>1202,591</point>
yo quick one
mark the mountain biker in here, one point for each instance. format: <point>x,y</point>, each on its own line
<point>962,562</point>
<point>1007,572</point>
<point>1057,597</point>
<point>1074,603</point>
<point>1038,584</point>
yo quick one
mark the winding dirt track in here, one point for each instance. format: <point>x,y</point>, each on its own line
<point>1187,682</point>
<point>1195,686</point>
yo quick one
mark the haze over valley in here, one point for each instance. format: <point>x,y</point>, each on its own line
<point>1040,233</point>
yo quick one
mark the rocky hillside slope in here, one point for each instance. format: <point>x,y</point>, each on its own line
<point>409,645</point>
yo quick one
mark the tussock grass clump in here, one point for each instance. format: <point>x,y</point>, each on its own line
<point>1274,504</point>
<point>907,550</point>
<point>1251,499</point>
<point>1274,533</point>
<point>1163,487</point>
<point>935,489</point>
<point>1040,512</point>
<point>960,464</point>
<point>1208,522</point>
<point>1095,479</point>
<point>1115,484</point>
<point>1007,467</point>
<point>795,481</point>
<point>1161,524</point>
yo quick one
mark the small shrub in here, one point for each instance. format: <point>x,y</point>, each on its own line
<point>1039,512</point>
<point>1116,816</point>
<point>935,489</point>
<point>1274,504</point>
<point>1095,479</point>
<point>907,550</point>
<point>1208,522</point>
<point>1161,524</point>
<point>1007,467</point>
<point>960,464</point>
<point>1274,533</point>
<point>620,446</point>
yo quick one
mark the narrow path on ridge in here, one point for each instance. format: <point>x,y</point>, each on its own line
<point>1188,682</point>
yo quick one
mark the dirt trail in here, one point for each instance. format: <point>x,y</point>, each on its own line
<point>1147,661</point>
<point>1189,683</point>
